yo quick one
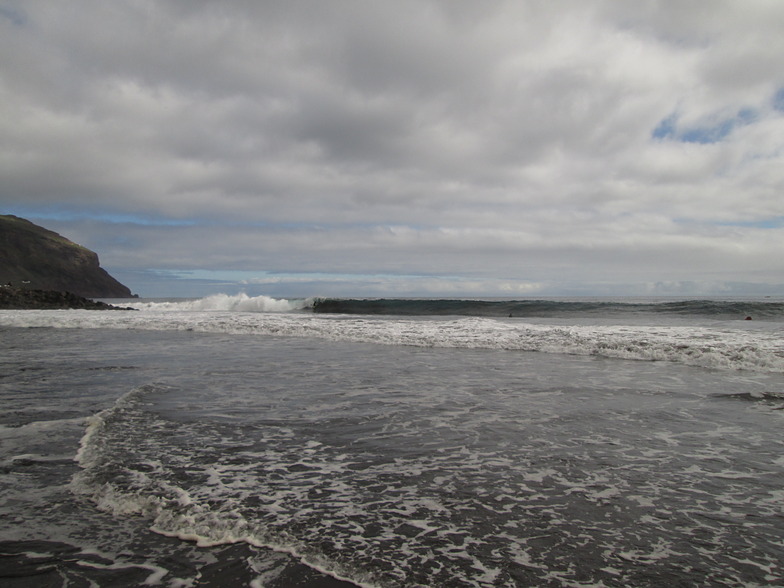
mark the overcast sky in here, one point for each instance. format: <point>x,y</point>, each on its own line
<point>377,148</point>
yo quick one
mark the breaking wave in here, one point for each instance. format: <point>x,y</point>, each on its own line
<point>227,302</point>
<point>715,343</point>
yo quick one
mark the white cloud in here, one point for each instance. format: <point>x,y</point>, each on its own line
<point>552,143</point>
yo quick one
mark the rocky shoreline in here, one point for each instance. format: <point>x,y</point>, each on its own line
<point>12,298</point>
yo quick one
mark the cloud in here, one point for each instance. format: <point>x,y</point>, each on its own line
<point>548,143</point>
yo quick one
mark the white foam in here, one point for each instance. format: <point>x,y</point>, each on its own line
<point>88,453</point>
<point>225,302</point>
<point>154,579</point>
<point>38,427</point>
<point>299,484</point>
<point>173,512</point>
<point>759,349</point>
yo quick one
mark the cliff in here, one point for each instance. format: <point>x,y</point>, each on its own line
<point>35,258</point>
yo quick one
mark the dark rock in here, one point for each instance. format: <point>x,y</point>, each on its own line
<point>12,298</point>
<point>35,258</point>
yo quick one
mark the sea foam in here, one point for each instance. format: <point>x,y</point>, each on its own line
<point>731,345</point>
<point>226,302</point>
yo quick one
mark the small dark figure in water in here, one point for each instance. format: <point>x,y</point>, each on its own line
<point>748,318</point>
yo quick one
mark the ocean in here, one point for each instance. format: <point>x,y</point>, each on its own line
<point>248,441</point>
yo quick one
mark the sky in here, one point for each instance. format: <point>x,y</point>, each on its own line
<point>402,148</point>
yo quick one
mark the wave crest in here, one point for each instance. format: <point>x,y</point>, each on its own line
<point>229,303</point>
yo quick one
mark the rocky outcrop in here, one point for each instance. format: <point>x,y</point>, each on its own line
<point>35,258</point>
<point>23,299</point>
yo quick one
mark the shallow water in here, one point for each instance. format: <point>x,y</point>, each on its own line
<point>205,456</point>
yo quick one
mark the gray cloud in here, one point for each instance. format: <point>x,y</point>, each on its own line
<point>561,144</point>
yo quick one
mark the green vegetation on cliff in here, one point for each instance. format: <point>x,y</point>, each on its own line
<point>35,258</point>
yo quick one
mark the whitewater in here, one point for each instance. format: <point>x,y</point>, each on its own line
<point>649,336</point>
<point>239,440</point>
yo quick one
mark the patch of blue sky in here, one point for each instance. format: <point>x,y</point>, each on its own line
<point>775,222</point>
<point>778,100</point>
<point>668,128</point>
<point>265,278</point>
<point>59,214</point>
<point>309,225</point>
<point>260,277</point>
<point>16,18</point>
<point>229,276</point>
<point>142,220</point>
<point>768,223</point>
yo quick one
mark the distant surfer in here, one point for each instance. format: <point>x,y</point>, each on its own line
<point>748,318</point>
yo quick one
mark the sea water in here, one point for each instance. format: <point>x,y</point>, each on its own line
<point>250,441</point>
